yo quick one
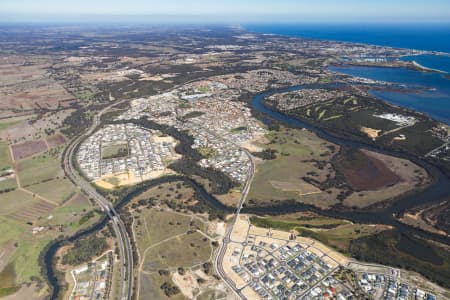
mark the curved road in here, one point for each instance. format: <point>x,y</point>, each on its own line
<point>126,252</point>
<point>227,237</point>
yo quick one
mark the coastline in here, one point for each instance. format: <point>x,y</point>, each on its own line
<point>426,69</point>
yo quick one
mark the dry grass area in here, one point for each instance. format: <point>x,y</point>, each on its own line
<point>33,126</point>
<point>230,199</point>
<point>301,187</point>
<point>416,220</point>
<point>27,85</point>
<point>300,154</point>
<point>56,140</point>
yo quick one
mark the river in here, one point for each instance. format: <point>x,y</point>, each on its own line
<point>436,191</point>
<point>426,92</point>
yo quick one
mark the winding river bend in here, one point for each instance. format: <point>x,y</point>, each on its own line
<point>436,191</point>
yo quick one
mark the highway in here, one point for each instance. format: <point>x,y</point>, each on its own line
<point>124,242</point>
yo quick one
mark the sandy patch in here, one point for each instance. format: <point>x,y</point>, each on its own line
<point>186,283</point>
<point>372,133</point>
<point>128,178</point>
<point>220,228</point>
<point>249,293</point>
<point>230,260</point>
<point>240,229</point>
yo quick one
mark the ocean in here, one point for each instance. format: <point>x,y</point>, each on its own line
<point>430,37</point>
<point>434,102</point>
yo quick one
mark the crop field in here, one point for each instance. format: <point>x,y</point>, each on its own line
<point>5,156</point>
<point>16,201</point>
<point>33,212</point>
<point>281,178</point>
<point>8,184</point>
<point>8,123</point>
<point>19,247</point>
<point>28,148</point>
<point>38,169</point>
<point>57,190</point>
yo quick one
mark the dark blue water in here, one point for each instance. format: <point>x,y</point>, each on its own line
<point>433,99</point>
<point>432,37</point>
<point>438,62</point>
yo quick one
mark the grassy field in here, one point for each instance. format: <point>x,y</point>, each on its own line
<point>281,178</point>
<point>115,151</point>
<point>57,190</point>
<point>38,169</point>
<point>5,156</point>
<point>308,219</point>
<point>9,123</point>
<point>184,251</point>
<point>207,152</point>
<point>167,240</point>
<point>20,247</point>
<point>157,226</point>
<point>150,287</point>
<point>7,281</point>
<point>15,201</point>
<point>8,184</point>
<point>339,234</point>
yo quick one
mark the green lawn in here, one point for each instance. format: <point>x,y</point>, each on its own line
<point>37,169</point>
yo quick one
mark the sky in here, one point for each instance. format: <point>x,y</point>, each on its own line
<point>226,11</point>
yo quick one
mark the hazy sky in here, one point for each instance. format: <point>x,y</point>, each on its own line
<point>227,10</point>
